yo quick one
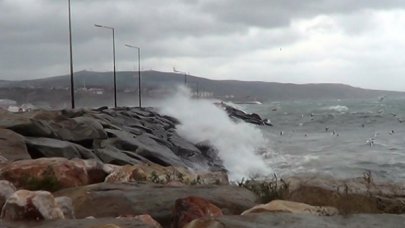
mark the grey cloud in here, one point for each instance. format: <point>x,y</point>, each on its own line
<point>276,13</point>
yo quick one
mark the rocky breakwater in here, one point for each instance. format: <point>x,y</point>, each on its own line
<point>115,136</point>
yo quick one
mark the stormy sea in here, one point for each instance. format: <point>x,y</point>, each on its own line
<point>337,138</point>
<point>340,138</point>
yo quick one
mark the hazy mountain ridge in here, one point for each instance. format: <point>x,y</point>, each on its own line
<point>232,89</point>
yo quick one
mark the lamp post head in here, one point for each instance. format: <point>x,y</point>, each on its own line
<point>103,26</point>
<point>131,46</point>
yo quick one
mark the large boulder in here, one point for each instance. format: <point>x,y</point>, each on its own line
<point>12,146</point>
<point>45,174</point>
<point>190,208</point>
<point>143,146</point>
<point>111,200</point>
<point>78,129</point>
<point>49,147</point>
<point>29,123</point>
<point>27,205</point>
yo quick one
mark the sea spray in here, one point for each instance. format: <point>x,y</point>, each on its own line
<point>202,120</point>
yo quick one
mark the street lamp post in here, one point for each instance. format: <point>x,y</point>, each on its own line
<point>139,73</point>
<point>181,72</point>
<point>115,74</point>
<point>72,91</point>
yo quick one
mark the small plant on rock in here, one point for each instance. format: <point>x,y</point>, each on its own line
<point>47,182</point>
<point>154,178</point>
<point>266,190</point>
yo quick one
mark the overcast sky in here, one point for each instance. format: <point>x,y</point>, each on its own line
<point>361,42</point>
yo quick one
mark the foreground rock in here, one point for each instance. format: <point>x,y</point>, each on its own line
<point>27,205</point>
<point>190,208</point>
<point>112,200</point>
<point>358,195</point>
<point>45,174</point>
<point>292,207</point>
<point>281,220</point>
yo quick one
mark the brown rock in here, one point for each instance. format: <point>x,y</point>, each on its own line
<point>12,146</point>
<point>6,190</point>
<point>190,208</point>
<point>28,205</point>
<point>126,173</point>
<point>44,174</point>
<point>292,207</point>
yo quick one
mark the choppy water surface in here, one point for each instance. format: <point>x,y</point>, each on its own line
<point>342,138</point>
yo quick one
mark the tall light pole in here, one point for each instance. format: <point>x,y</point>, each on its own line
<point>72,90</point>
<point>115,75</point>
<point>181,72</point>
<point>139,73</point>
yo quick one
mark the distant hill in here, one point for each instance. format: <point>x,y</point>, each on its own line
<point>232,89</point>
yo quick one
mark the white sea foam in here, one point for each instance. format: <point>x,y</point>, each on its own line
<point>201,120</point>
<point>338,108</point>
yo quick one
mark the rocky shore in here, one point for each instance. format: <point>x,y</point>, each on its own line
<point>127,167</point>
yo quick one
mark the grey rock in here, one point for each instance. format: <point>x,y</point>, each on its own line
<point>6,190</point>
<point>66,205</point>
<point>48,147</point>
<point>12,146</point>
